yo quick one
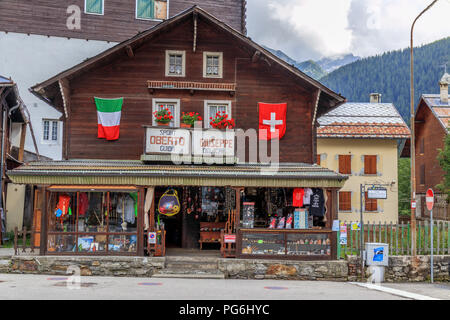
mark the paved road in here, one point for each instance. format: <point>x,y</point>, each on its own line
<point>55,287</point>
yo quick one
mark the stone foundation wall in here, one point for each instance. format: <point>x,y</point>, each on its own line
<point>401,268</point>
<point>89,266</point>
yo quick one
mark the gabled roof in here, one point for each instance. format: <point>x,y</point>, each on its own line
<point>5,82</point>
<point>363,120</point>
<point>49,89</point>
<point>439,109</point>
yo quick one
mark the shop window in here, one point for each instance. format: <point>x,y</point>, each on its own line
<point>216,107</point>
<point>345,201</point>
<point>173,105</point>
<point>91,222</point>
<point>94,7</point>
<point>212,64</point>
<point>345,164</point>
<point>370,205</point>
<point>151,9</point>
<point>370,164</point>
<point>175,63</point>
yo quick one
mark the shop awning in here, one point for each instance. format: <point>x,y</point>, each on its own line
<point>135,173</point>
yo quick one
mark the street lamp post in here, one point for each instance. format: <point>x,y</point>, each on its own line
<point>413,146</point>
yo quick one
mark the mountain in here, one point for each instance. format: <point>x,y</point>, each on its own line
<point>309,67</point>
<point>329,64</point>
<point>389,74</point>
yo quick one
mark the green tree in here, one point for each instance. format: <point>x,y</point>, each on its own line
<point>404,186</point>
<point>444,162</point>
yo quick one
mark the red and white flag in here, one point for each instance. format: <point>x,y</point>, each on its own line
<point>272,120</point>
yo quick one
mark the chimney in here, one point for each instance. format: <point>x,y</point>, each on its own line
<point>375,98</point>
<point>443,84</point>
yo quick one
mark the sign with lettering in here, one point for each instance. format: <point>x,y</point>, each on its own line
<point>377,193</point>
<point>168,141</point>
<point>213,143</point>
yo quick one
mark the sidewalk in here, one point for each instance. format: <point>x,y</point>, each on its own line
<point>435,290</point>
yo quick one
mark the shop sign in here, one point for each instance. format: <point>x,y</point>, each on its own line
<point>377,193</point>
<point>152,237</point>
<point>213,143</point>
<point>230,238</point>
<point>168,141</point>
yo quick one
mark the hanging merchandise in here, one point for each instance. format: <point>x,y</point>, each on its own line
<point>273,223</point>
<point>63,206</point>
<point>134,195</point>
<point>317,208</point>
<point>289,220</point>
<point>297,197</point>
<point>307,196</point>
<point>281,223</point>
<point>169,204</point>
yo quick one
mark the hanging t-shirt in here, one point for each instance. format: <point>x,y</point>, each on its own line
<point>317,203</point>
<point>307,196</point>
<point>297,197</point>
<point>84,203</point>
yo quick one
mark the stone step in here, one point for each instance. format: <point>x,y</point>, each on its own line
<point>183,265</point>
<point>188,274</point>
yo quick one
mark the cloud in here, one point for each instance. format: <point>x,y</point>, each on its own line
<point>311,29</point>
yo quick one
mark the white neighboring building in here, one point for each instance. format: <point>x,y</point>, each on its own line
<point>30,59</point>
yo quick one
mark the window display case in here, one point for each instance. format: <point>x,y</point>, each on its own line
<point>286,244</point>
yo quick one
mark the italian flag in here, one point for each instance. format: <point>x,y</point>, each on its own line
<point>109,112</point>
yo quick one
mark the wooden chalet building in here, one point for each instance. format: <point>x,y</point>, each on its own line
<point>432,125</point>
<point>117,197</point>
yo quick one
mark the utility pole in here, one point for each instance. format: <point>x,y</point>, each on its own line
<point>413,146</point>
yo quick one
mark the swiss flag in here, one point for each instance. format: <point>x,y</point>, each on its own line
<point>272,120</point>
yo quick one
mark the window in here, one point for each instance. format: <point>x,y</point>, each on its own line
<point>345,164</point>
<point>422,174</point>
<point>345,201</point>
<point>371,205</point>
<point>370,164</point>
<point>214,107</point>
<point>50,131</point>
<point>422,146</point>
<point>175,63</point>
<point>212,64</point>
<point>174,107</point>
<point>94,7</point>
<point>152,9</point>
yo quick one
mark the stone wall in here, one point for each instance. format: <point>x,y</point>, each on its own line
<point>401,268</point>
<point>89,266</point>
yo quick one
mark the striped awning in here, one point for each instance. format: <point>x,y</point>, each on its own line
<point>86,172</point>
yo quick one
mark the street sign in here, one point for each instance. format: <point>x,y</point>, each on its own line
<point>377,193</point>
<point>413,204</point>
<point>430,199</point>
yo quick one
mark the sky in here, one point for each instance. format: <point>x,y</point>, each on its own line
<point>312,29</point>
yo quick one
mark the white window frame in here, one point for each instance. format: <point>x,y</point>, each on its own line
<point>97,14</point>
<point>50,141</point>
<point>176,116</point>
<point>150,19</point>
<point>215,102</point>
<point>183,59</point>
<point>214,54</point>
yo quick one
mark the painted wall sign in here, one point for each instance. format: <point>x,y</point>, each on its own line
<point>168,141</point>
<point>213,143</point>
<point>230,238</point>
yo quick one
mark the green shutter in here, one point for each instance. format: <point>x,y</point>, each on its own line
<point>145,9</point>
<point>94,6</point>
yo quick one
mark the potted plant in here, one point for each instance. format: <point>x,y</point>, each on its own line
<point>222,121</point>
<point>189,119</point>
<point>163,117</point>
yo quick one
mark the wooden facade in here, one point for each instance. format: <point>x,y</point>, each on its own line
<point>430,135</point>
<point>135,70</point>
<point>118,23</point>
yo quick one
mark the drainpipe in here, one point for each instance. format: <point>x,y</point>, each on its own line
<point>2,213</point>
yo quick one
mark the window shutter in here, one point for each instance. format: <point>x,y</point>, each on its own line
<point>318,159</point>
<point>370,164</point>
<point>345,201</point>
<point>345,164</point>
<point>370,204</point>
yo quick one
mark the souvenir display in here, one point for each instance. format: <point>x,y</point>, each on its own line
<point>248,215</point>
<point>169,204</point>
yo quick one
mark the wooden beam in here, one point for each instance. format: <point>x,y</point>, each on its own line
<point>256,56</point>
<point>129,51</point>
<point>64,87</point>
<point>194,46</point>
<point>22,141</point>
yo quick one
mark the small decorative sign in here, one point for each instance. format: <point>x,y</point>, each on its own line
<point>230,238</point>
<point>213,143</point>
<point>168,141</point>
<point>152,237</point>
<point>343,234</point>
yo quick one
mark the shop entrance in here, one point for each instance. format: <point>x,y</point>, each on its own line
<point>203,214</point>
